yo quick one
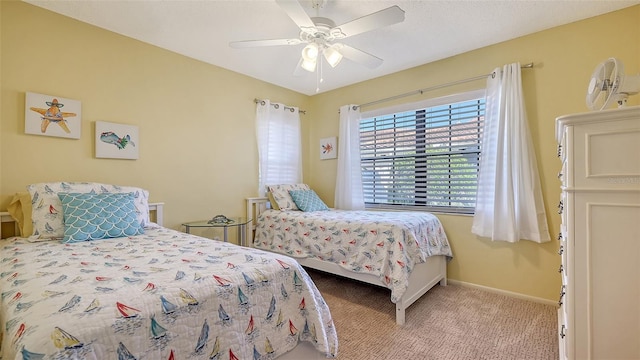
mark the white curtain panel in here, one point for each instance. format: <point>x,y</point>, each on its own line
<point>509,205</point>
<point>349,194</point>
<point>279,145</point>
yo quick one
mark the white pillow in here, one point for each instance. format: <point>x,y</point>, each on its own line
<point>282,197</point>
<point>47,215</point>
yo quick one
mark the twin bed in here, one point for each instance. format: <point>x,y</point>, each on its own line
<point>156,294</point>
<point>405,252</point>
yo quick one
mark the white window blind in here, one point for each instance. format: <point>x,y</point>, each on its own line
<point>279,145</point>
<point>425,158</point>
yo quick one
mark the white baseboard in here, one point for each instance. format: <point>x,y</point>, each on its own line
<point>504,292</point>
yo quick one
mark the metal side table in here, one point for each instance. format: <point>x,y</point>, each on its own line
<point>240,223</point>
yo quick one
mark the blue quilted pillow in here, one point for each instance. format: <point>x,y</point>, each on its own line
<point>90,216</point>
<point>307,200</point>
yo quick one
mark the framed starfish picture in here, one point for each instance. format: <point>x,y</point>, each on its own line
<point>51,115</point>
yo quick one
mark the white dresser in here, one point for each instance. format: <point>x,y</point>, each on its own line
<point>599,314</point>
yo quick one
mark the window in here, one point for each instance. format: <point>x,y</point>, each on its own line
<point>279,145</point>
<point>426,158</point>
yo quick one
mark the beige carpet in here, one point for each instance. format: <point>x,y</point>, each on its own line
<point>449,322</point>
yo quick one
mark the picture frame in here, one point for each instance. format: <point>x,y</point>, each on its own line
<point>328,148</point>
<point>44,115</point>
<point>116,141</point>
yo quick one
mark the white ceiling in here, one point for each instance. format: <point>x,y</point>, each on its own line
<point>432,30</point>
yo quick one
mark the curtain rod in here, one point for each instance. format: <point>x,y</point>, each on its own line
<point>421,91</point>
<point>262,102</point>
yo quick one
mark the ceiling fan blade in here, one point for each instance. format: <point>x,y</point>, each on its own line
<point>297,14</point>
<point>360,56</point>
<point>389,16</point>
<point>256,43</point>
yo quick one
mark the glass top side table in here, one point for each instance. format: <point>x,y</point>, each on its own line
<point>239,222</point>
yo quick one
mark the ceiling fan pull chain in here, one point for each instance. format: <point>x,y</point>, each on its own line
<point>319,76</point>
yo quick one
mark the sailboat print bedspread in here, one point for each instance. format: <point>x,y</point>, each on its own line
<point>384,244</point>
<point>161,295</point>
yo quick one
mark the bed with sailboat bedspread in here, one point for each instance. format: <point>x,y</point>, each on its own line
<point>387,245</point>
<point>163,294</point>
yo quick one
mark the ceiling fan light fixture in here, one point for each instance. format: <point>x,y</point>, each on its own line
<point>333,55</point>
<point>309,65</point>
<point>310,52</point>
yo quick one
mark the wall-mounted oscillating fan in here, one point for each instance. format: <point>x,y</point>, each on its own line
<point>321,35</point>
<point>609,85</point>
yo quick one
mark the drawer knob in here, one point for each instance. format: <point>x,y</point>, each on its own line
<point>561,296</point>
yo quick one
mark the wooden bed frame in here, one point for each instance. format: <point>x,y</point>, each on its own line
<point>423,277</point>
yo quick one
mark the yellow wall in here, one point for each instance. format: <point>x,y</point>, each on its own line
<point>196,121</point>
<point>197,145</point>
<point>564,59</point>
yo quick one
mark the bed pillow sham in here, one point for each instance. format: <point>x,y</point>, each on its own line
<point>281,196</point>
<point>308,200</point>
<point>272,201</point>
<point>47,216</point>
<point>20,210</point>
<point>90,216</point>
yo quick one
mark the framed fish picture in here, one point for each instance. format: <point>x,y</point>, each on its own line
<point>116,141</point>
<point>51,115</point>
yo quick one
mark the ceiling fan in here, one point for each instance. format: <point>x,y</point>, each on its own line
<point>320,35</point>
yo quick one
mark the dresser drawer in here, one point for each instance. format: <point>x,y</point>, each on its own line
<point>562,147</point>
<point>608,158</point>
<point>563,175</point>
<point>562,334</point>
<point>563,251</point>
<point>564,207</point>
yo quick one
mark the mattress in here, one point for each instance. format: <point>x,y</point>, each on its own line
<point>160,295</point>
<point>384,244</point>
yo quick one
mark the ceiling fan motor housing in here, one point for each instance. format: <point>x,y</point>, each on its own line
<point>323,32</point>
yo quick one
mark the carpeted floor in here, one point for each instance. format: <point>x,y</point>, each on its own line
<point>449,322</point>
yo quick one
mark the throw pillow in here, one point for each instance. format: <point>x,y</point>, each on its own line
<point>281,195</point>
<point>308,200</point>
<point>99,216</point>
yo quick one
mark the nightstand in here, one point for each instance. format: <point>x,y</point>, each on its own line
<point>240,223</point>
<point>6,218</point>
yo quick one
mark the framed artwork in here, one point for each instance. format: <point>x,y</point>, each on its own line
<point>51,115</point>
<point>328,148</point>
<point>116,141</point>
